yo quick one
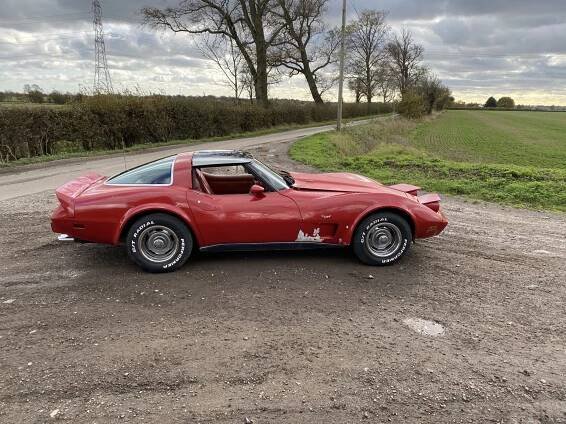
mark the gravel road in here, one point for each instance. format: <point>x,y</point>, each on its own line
<point>309,337</point>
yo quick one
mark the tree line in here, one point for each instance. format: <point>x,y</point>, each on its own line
<point>389,65</point>
<point>33,93</point>
<point>256,42</point>
<point>503,102</point>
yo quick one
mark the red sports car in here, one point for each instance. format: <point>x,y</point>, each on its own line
<point>227,200</point>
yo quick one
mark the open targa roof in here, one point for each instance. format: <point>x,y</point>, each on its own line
<point>220,157</point>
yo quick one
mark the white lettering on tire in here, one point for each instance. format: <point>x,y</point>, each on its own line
<point>371,224</point>
<point>398,255</point>
<point>138,230</point>
<point>178,257</point>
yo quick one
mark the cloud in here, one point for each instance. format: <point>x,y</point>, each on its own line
<point>478,48</point>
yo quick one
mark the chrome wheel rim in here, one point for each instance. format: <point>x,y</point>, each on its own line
<point>158,243</point>
<point>383,240</point>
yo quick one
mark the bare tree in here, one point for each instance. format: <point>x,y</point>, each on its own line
<point>355,85</point>
<point>249,23</point>
<point>247,83</point>
<point>366,42</point>
<point>306,47</point>
<point>405,57</point>
<point>435,94</point>
<point>247,80</point>
<point>385,84</point>
<point>227,57</point>
<point>34,93</point>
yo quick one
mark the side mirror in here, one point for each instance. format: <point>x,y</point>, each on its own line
<point>257,190</point>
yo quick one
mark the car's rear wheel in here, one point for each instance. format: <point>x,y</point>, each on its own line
<point>159,243</point>
<point>382,239</point>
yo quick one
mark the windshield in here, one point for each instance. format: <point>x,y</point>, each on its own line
<point>276,181</point>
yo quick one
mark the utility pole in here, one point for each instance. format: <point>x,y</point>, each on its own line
<point>342,59</point>
<point>102,81</point>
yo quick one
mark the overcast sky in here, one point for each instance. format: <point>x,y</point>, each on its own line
<point>478,48</point>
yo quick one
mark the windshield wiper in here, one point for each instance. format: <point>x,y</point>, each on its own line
<point>287,177</point>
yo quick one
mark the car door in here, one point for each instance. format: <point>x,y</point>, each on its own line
<point>244,218</point>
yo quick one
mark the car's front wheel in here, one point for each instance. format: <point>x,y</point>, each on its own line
<point>159,243</point>
<point>382,239</point>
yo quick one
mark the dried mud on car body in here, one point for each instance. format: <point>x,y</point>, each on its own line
<point>287,337</point>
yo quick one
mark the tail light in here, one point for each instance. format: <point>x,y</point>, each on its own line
<point>67,203</point>
<point>406,188</point>
<point>431,201</point>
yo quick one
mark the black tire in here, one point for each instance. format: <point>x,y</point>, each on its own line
<point>159,243</point>
<point>382,239</point>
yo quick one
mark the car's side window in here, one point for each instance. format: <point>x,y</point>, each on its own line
<point>159,172</point>
<point>222,180</point>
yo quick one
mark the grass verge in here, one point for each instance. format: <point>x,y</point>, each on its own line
<point>392,151</point>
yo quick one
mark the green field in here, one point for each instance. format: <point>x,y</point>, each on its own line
<point>518,138</point>
<point>514,158</point>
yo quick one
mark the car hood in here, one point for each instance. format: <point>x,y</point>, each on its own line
<point>339,181</point>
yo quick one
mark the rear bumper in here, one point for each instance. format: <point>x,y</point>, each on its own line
<point>88,231</point>
<point>61,222</point>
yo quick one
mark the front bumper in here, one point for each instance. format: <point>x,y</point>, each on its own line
<point>429,223</point>
<point>439,226</point>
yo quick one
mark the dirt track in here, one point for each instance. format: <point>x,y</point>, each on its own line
<point>286,337</point>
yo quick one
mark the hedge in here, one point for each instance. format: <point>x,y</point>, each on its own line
<point>110,122</point>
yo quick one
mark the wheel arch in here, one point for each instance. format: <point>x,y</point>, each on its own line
<point>392,209</point>
<point>133,215</point>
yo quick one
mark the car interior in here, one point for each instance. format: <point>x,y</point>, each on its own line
<point>222,180</point>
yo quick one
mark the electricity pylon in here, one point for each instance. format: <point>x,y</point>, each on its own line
<point>102,81</point>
